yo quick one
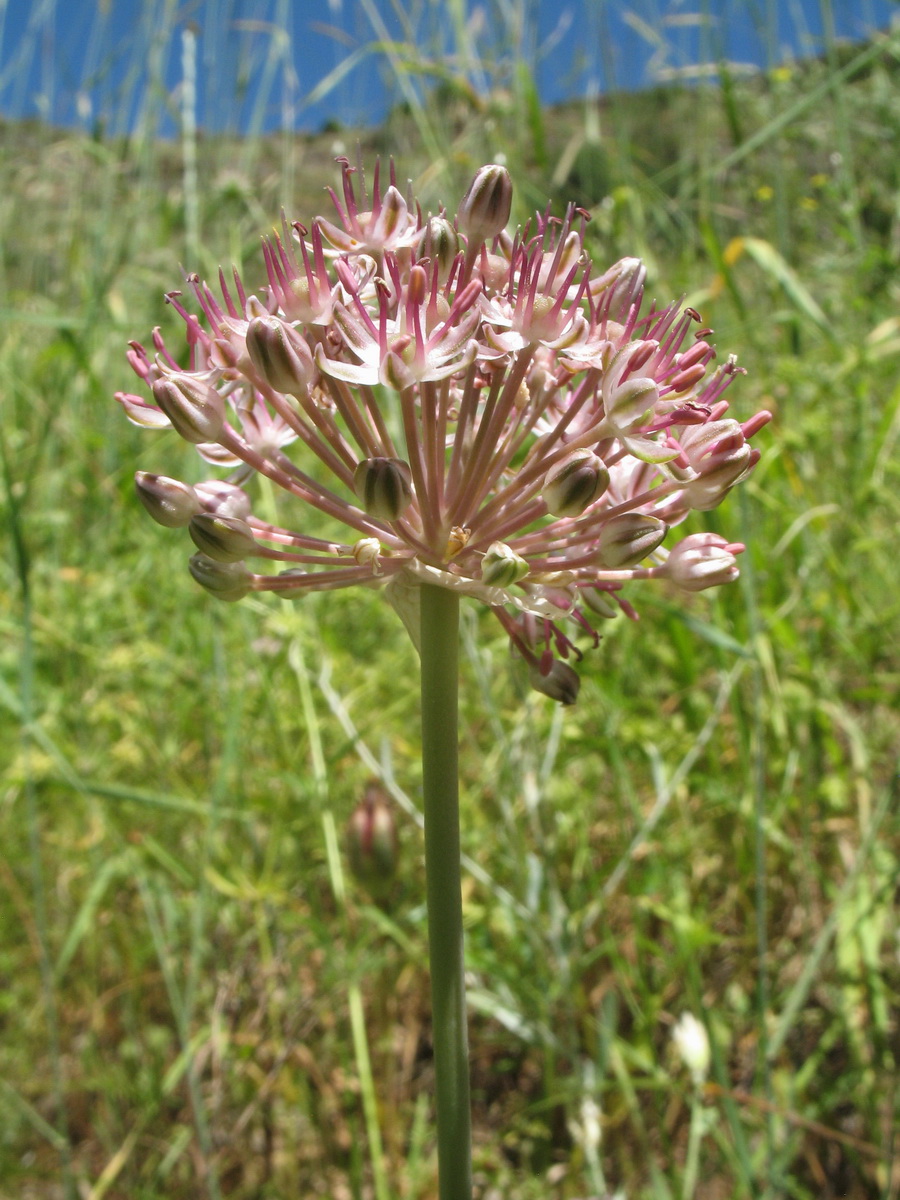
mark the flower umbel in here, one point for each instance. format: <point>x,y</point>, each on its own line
<point>467,407</point>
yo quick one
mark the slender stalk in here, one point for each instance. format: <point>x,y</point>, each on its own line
<point>440,689</point>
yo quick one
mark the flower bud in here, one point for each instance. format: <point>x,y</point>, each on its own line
<point>494,271</point>
<point>371,839</point>
<point>224,499</point>
<point>286,591</point>
<point>225,539</point>
<point>439,242</point>
<point>502,567</point>
<point>702,560</point>
<point>383,486</point>
<point>626,540</point>
<point>631,404</point>
<point>575,483</point>
<point>142,414</point>
<point>168,501</point>
<point>227,581</point>
<point>560,682</point>
<point>391,219</point>
<point>600,602</point>
<point>717,476</point>
<point>280,355</point>
<point>686,379</point>
<point>485,208</point>
<point>196,410</point>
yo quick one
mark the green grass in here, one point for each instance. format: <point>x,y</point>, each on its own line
<point>713,828</point>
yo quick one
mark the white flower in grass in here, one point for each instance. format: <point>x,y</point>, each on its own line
<point>692,1044</point>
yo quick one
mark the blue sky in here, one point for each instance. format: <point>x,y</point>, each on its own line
<point>261,61</point>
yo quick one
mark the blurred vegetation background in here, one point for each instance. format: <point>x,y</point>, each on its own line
<point>198,998</point>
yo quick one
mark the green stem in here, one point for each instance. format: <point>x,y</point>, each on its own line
<point>440,690</point>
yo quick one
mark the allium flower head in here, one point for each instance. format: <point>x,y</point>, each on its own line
<point>462,405</point>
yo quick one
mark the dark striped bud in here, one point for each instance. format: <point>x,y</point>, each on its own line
<point>560,683</point>
<point>196,410</point>
<point>575,483</point>
<point>439,242</point>
<point>485,208</point>
<point>226,539</point>
<point>383,486</point>
<point>168,501</point>
<point>280,354</point>
<point>226,581</point>
<point>627,539</point>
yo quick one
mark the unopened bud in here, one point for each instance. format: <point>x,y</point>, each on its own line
<point>225,539</point>
<point>392,216</point>
<point>485,208</point>
<point>626,540</point>
<point>227,581</point>
<point>494,272</point>
<point>383,486</point>
<point>600,602</point>
<point>702,560</point>
<point>285,591</point>
<point>711,488</point>
<point>502,567</point>
<point>168,501</point>
<point>196,410</point>
<point>280,355</point>
<point>560,682</point>
<point>224,499</point>
<point>439,242</point>
<point>372,839</point>
<point>633,402</point>
<point>720,457</point>
<point>685,379</point>
<point>574,484</point>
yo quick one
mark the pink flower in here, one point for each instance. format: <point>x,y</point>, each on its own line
<point>700,561</point>
<point>465,406</point>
